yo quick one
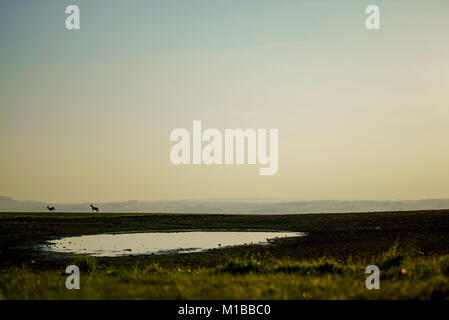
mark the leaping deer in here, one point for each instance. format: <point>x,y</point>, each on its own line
<point>94,208</point>
<point>51,208</point>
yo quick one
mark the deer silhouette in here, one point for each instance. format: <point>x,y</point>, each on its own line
<point>51,208</point>
<point>94,208</point>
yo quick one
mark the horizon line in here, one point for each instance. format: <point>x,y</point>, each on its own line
<point>238,200</point>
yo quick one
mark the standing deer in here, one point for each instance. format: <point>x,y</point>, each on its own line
<point>94,208</point>
<point>51,208</point>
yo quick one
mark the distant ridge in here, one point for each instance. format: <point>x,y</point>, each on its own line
<point>8,204</point>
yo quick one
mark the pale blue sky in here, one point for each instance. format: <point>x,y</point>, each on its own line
<point>86,115</point>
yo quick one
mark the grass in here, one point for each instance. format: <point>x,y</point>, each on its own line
<point>404,275</point>
<point>86,263</point>
<point>410,248</point>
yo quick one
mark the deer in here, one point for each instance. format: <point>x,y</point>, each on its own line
<point>94,208</point>
<point>51,208</point>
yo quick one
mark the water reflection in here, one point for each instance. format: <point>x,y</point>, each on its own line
<point>113,245</point>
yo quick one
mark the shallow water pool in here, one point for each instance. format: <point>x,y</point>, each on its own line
<point>141,243</point>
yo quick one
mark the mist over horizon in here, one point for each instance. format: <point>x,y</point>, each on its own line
<point>220,206</point>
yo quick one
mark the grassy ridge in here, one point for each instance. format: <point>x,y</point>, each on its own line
<point>403,276</point>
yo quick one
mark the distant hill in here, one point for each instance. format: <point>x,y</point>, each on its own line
<point>208,206</point>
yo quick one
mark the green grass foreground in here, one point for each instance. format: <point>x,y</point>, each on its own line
<point>404,275</point>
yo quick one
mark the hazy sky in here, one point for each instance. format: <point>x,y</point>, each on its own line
<point>86,115</point>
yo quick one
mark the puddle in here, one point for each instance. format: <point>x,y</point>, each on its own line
<point>141,243</point>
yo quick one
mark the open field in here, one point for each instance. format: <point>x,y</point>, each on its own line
<point>328,263</point>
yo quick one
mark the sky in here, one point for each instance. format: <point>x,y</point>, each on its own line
<point>86,115</point>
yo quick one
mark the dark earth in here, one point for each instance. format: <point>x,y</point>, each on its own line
<point>340,235</point>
